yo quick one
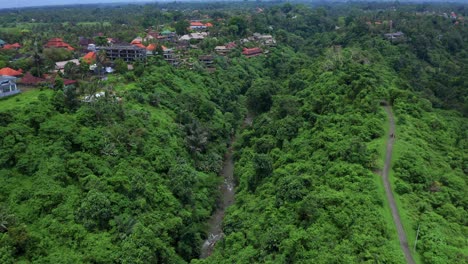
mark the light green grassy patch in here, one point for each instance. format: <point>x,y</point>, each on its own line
<point>22,99</point>
<point>125,87</point>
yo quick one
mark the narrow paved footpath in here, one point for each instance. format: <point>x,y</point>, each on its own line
<point>388,190</point>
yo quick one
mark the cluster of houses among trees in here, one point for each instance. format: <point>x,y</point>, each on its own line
<point>180,43</point>
<point>131,162</point>
<point>176,49</point>
<point>157,44</point>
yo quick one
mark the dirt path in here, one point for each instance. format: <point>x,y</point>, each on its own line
<point>388,191</point>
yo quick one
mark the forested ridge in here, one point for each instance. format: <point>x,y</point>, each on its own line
<point>133,176</point>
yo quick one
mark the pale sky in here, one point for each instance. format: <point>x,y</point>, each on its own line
<point>25,3</point>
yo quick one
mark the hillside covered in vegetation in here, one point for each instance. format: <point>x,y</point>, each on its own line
<point>124,166</point>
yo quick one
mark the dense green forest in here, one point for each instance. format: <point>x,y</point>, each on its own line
<point>133,176</point>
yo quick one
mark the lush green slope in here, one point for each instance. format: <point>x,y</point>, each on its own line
<point>430,171</point>
<point>306,170</point>
<point>306,184</point>
<point>131,177</point>
<point>129,181</point>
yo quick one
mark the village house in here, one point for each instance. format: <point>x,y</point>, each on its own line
<point>90,57</point>
<point>137,42</point>
<point>206,60</point>
<point>50,80</point>
<point>151,35</point>
<point>167,35</point>
<point>183,45</point>
<point>453,15</point>
<point>170,57</point>
<point>264,39</point>
<point>8,86</point>
<point>223,50</point>
<point>60,65</point>
<point>253,52</point>
<point>30,80</point>
<point>10,72</point>
<point>150,49</point>
<point>91,47</point>
<point>394,36</point>
<point>58,43</point>
<point>84,42</point>
<point>231,45</point>
<point>197,25</point>
<point>69,83</point>
<point>14,46</point>
<point>196,36</point>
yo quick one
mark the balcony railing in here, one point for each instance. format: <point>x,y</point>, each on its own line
<point>5,94</point>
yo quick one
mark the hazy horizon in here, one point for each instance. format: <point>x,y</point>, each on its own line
<point>33,3</point>
<point>5,4</point>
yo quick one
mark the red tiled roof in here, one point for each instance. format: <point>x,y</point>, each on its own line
<point>151,47</point>
<point>9,72</point>
<point>90,57</point>
<point>51,79</point>
<point>196,24</point>
<point>28,78</point>
<point>139,45</point>
<point>12,46</point>
<point>68,82</point>
<point>208,24</point>
<point>136,41</point>
<point>252,51</point>
<point>231,45</point>
<point>58,43</point>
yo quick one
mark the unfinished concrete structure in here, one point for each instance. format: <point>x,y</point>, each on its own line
<point>125,52</point>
